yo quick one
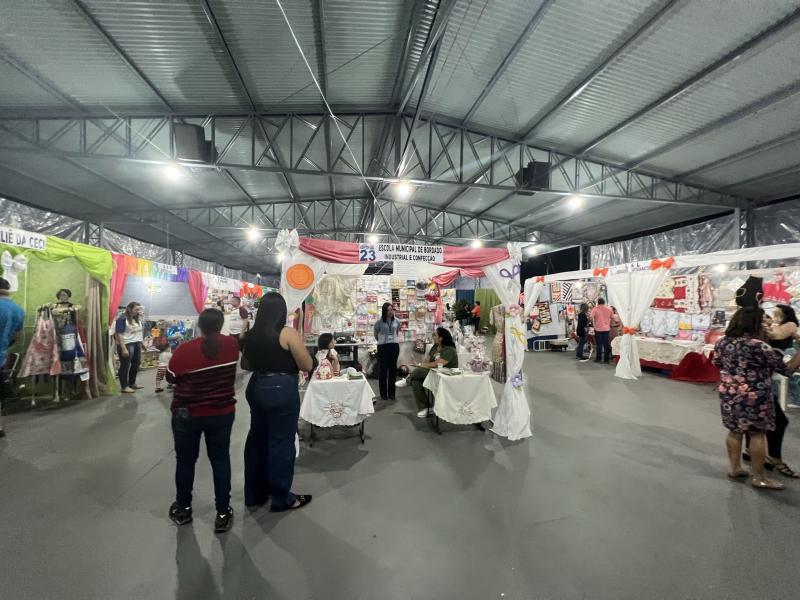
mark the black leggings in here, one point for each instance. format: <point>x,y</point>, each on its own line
<point>387,369</point>
<point>775,438</point>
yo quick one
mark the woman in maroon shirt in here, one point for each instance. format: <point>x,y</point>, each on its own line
<point>204,374</point>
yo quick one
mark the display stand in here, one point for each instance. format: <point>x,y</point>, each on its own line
<point>307,260</point>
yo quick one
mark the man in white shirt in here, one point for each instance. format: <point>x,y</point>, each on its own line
<point>236,321</point>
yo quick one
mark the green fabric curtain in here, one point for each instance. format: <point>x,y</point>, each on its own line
<point>66,264</point>
<point>488,299</point>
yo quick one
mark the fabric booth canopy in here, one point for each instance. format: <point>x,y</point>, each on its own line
<point>307,260</point>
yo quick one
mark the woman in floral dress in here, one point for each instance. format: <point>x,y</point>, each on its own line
<point>746,366</point>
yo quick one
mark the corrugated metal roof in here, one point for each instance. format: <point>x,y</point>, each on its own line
<point>479,35</point>
<point>172,42</point>
<point>56,42</point>
<point>691,37</point>
<point>572,38</point>
<point>748,80</point>
<point>266,53</point>
<point>20,93</point>
<point>753,166</point>
<point>363,44</point>
<point>768,124</point>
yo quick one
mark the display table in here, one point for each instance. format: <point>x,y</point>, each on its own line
<point>337,402</point>
<point>466,399</point>
<point>658,353</point>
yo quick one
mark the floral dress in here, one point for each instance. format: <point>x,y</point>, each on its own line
<point>745,391</point>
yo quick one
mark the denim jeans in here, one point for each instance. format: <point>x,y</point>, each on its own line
<point>581,344</point>
<point>269,451</point>
<point>129,365</point>
<point>603,345</point>
<point>187,431</point>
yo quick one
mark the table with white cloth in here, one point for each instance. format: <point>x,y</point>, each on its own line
<point>655,351</point>
<point>340,401</point>
<point>465,399</point>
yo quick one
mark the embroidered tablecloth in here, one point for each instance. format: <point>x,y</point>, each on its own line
<point>666,352</point>
<point>338,401</point>
<point>461,399</point>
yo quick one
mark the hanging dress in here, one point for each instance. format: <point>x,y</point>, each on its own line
<point>43,356</point>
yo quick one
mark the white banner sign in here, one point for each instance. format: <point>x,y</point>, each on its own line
<point>23,239</point>
<point>400,252</point>
<point>164,268</point>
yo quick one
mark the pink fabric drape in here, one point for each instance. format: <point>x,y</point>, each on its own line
<point>454,256</point>
<point>198,289</point>
<point>117,287</point>
<point>446,279</point>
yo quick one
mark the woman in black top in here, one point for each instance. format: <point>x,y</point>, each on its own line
<point>580,330</point>
<point>275,353</point>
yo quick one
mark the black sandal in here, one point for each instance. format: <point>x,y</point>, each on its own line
<point>767,464</point>
<point>303,501</point>
<point>782,468</point>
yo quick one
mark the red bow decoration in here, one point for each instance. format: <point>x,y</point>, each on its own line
<point>539,279</point>
<point>667,263</point>
<point>598,272</point>
<point>628,330</point>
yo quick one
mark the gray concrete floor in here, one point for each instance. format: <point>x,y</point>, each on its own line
<point>621,493</point>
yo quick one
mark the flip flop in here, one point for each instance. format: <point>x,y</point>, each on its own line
<point>738,475</point>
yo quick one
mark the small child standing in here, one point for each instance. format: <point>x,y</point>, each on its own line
<point>163,361</point>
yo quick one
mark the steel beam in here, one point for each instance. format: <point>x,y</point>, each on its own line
<point>746,153</point>
<point>683,87</point>
<point>509,58</point>
<point>435,34</point>
<point>766,176</point>
<point>212,20</point>
<point>121,54</point>
<point>743,113</point>
<point>575,92</point>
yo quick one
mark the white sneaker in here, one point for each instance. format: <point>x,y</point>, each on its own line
<point>423,413</point>
<point>401,383</point>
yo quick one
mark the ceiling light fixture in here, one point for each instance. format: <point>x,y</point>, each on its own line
<point>532,250</point>
<point>372,239</point>
<point>403,190</point>
<point>476,244</point>
<point>575,202</point>
<point>173,172</point>
<point>279,256</point>
<point>253,234</point>
<point>721,268</point>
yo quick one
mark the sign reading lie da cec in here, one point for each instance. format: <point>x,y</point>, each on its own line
<point>23,239</point>
<point>400,252</point>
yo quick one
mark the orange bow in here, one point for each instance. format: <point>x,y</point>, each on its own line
<point>598,272</point>
<point>667,263</point>
<point>539,279</point>
<point>628,330</point>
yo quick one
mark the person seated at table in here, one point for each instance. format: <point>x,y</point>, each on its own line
<point>326,342</point>
<point>443,354</point>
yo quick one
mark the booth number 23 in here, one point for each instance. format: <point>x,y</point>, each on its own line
<point>366,253</point>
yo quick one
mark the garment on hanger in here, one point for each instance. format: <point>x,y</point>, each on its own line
<point>706,292</point>
<point>42,357</point>
<point>665,296</point>
<point>498,319</point>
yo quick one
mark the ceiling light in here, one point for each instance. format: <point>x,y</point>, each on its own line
<point>575,202</point>
<point>476,243</point>
<point>403,190</point>
<point>279,256</point>
<point>372,239</point>
<point>173,172</point>
<point>532,250</point>
<point>253,234</point>
<point>721,268</point>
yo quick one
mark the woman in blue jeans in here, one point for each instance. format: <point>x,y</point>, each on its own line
<point>275,354</point>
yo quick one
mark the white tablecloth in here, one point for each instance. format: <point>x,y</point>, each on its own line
<point>667,352</point>
<point>338,401</point>
<point>461,399</point>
